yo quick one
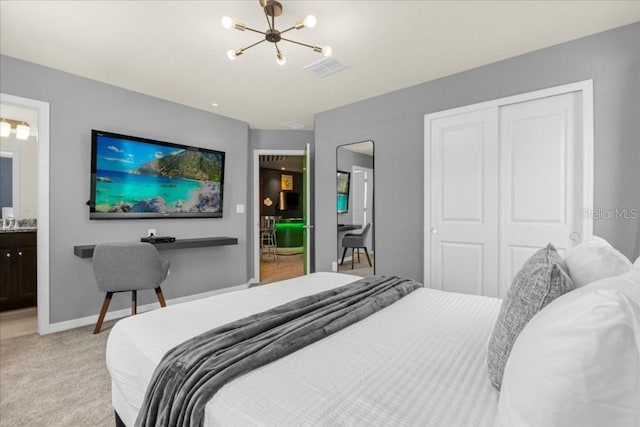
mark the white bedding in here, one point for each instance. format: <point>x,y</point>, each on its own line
<point>420,361</point>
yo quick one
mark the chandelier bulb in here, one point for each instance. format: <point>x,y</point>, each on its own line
<point>233,54</point>
<point>280,59</point>
<point>310,21</point>
<point>327,51</point>
<point>227,22</point>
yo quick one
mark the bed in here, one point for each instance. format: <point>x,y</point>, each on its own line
<point>419,361</point>
<point>562,348</point>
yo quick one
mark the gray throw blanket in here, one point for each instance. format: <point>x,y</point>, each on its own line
<point>190,374</point>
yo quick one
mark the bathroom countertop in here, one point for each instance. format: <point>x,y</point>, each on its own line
<point>19,230</point>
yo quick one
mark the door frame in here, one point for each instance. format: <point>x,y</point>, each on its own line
<point>255,220</point>
<point>370,172</point>
<point>42,108</point>
<point>585,87</point>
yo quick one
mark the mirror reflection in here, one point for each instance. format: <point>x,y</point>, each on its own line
<point>355,208</point>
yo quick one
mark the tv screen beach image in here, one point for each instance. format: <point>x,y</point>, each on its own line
<point>141,177</point>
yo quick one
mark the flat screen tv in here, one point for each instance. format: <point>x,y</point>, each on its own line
<point>288,200</point>
<point>134,177</point>
<point>342,187</point>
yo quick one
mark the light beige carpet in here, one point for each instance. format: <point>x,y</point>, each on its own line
<point>59,379</point>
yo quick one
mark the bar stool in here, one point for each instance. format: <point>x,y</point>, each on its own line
<point>268,239</point>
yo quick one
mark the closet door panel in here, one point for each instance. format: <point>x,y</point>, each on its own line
<point>539,201</point>
<point>464,204</point>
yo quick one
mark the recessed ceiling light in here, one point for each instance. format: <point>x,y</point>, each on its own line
<point>283,168</point>
<point>214,104</point>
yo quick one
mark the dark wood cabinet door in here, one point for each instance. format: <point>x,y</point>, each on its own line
<point>26,276</point>
<point>18,270</point>
<point>7,280</point>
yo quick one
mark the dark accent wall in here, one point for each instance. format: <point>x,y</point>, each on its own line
<point>395,122</point>
<point>78,105</point>
<point>270,187</point>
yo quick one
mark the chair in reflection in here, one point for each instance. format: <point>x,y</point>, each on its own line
<point>268,242</point>
<point>355,242</point>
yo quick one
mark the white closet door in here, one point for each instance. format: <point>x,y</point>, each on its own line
<point>540,179</point>
<point>464,203</point>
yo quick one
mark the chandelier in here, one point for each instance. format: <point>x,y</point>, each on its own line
<point>273,8</point>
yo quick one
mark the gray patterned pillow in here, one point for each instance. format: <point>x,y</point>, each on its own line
<point>542,279</point>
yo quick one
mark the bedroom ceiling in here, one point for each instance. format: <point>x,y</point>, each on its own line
<point>176,50</point>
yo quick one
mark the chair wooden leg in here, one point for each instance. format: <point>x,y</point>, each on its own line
<point>134,302</point>
<point>160,297</point>
<point>343,254</point>
<point>353,255</point>
<point>358,249</point>
<point>367,254</point>
<point>103,312</point>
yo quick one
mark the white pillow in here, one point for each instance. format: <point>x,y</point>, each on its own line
<point>637,263</point>
<point>577,362</point>
<point>593,260</point>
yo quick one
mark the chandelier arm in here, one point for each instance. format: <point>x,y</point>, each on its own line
<point>288,29</point>
<point>301,44</point>
<point>255,31</point>
<point>255,44</point>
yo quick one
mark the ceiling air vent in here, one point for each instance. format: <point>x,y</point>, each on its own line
<point>325,67</point>
<point>293,125</point>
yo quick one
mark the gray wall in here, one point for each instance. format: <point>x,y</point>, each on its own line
<point>277,140</point>
<point>395,122</point>
<point>78,105</point>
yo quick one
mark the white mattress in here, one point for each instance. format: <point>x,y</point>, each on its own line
<point>420,361</point>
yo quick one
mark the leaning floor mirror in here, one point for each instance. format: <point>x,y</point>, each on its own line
<point>355,208</point>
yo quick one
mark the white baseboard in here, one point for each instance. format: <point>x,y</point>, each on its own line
<point>118,314</point>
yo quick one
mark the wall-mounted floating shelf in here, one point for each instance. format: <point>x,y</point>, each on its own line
<point>86,251</point>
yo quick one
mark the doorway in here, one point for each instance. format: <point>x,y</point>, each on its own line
<point>280,215</point>
<point>27,219</point>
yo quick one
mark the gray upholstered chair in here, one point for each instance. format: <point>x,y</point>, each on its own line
<point>127,267</point>
<point>356,241</point>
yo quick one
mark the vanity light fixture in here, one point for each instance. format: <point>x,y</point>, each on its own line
<point>22,128</point>
<point>273,8</point>
<point>5,128</point>
<point>22,131</point>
